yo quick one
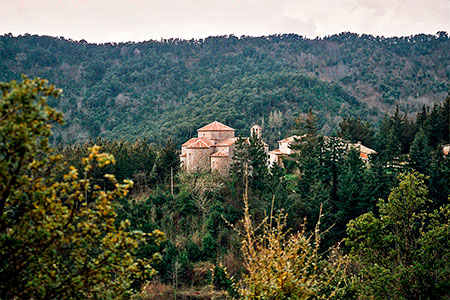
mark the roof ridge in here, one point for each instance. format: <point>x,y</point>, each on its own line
<point>199,143</point>
<point>215,126</point>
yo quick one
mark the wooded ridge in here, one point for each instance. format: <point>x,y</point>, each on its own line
<point>168,88</point>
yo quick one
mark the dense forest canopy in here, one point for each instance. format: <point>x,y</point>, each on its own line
<point>366,229</point>
<point>169,88</point>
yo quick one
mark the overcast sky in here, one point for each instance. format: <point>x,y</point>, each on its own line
<point>139,20</point>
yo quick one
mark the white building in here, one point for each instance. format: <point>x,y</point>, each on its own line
<point>284,149</point>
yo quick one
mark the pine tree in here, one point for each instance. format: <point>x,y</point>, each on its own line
<point>258,167</point>
<point>306,125</point>
<point>353,200</point>
<point>166,163</point>
<point>355,130</point>
<point>239,166</point>
<point>422,117</point>
<point>420,153</point>
<point>439,181</point>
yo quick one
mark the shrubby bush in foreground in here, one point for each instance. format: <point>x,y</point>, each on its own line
<point>284,265</point>
<point>59,238</point>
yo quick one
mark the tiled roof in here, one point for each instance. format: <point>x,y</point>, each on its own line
<point>183,155</point>
<point>362,148</point>
<point>199,143</point>
<point>227,142</point>
<point>366,150</point>
<point>219,154</point>
<point>216,126</point>
<point>189,142</point>
<point>292,138</point>
<point>446,149</point>
<point>277,152</point>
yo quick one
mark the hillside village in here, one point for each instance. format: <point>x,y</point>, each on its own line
<point>214,148</point>
<point>224,150</point>
<point>188,214</point>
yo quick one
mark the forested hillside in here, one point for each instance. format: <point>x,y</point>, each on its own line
<point>323,225</point>
<point>172,87</point>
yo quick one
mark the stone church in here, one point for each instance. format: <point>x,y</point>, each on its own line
<point>213,149</point>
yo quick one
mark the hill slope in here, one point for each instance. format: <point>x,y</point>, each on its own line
<point>170,88</point>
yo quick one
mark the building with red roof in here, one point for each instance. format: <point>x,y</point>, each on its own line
<point>284,149</point>
<point>213,149</point>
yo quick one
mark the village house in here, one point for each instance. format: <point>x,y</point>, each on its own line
<point>212,149</point>
<point>284,149</point>
<point>446,149</point>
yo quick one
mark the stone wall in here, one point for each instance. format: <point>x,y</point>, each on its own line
<point>216,135</point>
<point>284,147</point>
<point>221,164</point>
<point>223,149</point>
<point>198,159</point>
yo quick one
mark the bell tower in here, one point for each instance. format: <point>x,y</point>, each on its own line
<point>255,131</point>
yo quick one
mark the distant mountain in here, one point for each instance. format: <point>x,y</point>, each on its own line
<point>172,87</point>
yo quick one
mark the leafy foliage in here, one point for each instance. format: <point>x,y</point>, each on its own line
<point>280,265</point>
<point>39,185</point>
<point>398,251</point>
<point>58,238</point>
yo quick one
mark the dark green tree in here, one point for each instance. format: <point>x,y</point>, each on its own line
<point>439,179</point>
<point>420,153</point>
<point>355,130</point>
<point>353,196</point>
<point>240,166</point>
<point>399,254</point>
<point>258,167</point>
<point>167,163</point>
<point>436,126</point>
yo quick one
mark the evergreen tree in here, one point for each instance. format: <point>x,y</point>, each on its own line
<point>258,168</point>
<point>437,126</point>
<point>240,166</point>
<point>355,130</point>
<point>306,125</point>
<point>439,181</point>
<point>396,131</point>
<point>167,163</point>
<point>352,189</point>
<point>380,180</point>
<point>389,146</point>
<point>332,153</point>
<point>399,255</point>
<point>420,153</point>
<point>306,152</point>
<point>422,117</point>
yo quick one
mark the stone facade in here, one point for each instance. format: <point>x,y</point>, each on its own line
<point>213,149</point>
<point>220,162</point>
